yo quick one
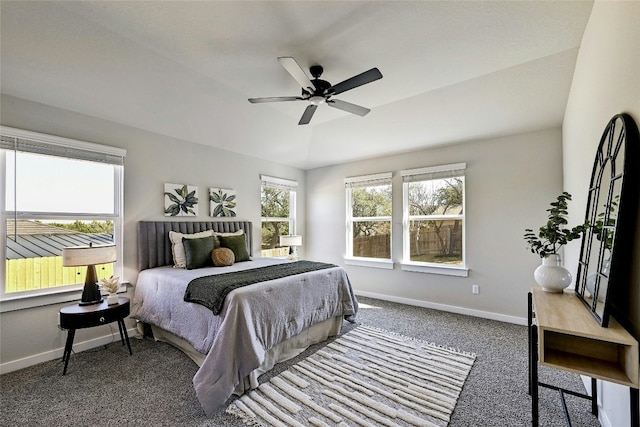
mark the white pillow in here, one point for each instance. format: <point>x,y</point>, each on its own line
<point>177,248</point>
<point>235,233</point>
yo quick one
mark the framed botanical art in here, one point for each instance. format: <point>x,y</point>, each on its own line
<point>222,202</point>
<point>180,200</point>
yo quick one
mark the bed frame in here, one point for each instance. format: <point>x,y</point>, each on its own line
<point>154,246</point>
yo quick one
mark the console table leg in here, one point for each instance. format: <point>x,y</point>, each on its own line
<point>635,407</point>
<point>530,324</point>
<point>567,418</point>
<point>533,357</point>
<point>594,397</point>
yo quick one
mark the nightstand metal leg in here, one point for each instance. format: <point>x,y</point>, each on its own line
<point>121,333</point>
<point>124,336</point>
<point>67,349</point>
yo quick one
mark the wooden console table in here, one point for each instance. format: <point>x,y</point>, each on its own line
<point>564,335</point>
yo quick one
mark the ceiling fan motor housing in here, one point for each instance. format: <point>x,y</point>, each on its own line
<point>321,87</point>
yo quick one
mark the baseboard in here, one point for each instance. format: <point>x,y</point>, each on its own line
<point>603,417</point>
<point>26,362</point>
<point>444,307</point>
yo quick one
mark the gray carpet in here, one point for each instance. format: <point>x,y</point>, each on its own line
<point>107,387</point>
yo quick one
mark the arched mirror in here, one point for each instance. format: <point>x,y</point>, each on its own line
<point>605,256</point>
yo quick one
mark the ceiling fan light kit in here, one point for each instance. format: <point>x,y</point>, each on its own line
<point>317,100</point>
<point>317,91</point>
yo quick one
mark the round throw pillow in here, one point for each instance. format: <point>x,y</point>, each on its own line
<point>222,257</point>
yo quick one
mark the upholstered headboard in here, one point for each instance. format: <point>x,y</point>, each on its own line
<point>154,246</point>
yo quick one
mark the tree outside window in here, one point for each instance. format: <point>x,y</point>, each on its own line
<point>278,201</point>
<point>369,217</point>
<point>434,217</point>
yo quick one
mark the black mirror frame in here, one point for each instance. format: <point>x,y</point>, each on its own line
<point>621,229</point>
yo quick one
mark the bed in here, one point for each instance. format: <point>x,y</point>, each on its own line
<point>258,325</point>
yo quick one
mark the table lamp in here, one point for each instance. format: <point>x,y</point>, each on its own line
<point>90,256</point>
<point>293,242</point>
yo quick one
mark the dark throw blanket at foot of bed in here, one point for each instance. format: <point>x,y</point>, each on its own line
<point>210,291</point>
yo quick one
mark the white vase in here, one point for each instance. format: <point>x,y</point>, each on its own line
<point>112,299</point>
<point>551,276</point>
<point>591,282</point>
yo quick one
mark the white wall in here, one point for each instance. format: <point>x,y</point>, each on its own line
<point>32,334</point>
<point>509,183</point>
<point>606,82</point>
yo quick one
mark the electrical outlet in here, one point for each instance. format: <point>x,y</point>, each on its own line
<point>475,289</point>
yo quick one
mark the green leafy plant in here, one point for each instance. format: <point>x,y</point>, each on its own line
<point>555,234</point>
<point>605,232</point>
<point>183,201</point>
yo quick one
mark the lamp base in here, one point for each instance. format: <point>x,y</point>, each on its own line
<point>91,293</point>
<point>293,253</point>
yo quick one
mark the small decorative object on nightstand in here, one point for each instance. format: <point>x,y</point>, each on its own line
<point>293,242</point>
<point>79,316</point>
<point>111,285</point>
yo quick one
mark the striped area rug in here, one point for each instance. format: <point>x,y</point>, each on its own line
<point>367,377</point>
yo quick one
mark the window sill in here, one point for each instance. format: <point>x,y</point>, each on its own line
<point>370,262</point>
<point>21,302</point>
<point>446,270</point>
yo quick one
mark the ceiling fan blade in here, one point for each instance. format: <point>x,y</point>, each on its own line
<point>355,81</point>
<point>296,72</point>
<point>348,107</point>
<point>275,99</point>
<point>308,113</point>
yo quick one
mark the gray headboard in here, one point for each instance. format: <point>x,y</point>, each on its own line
<point>154,246</point>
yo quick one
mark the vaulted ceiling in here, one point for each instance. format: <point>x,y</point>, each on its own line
<point>453,70</point>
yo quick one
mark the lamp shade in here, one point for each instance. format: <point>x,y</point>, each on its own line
<point>88,255</point>
<point>291,240</point>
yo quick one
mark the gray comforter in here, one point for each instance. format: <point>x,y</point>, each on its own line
<point>253,318</point>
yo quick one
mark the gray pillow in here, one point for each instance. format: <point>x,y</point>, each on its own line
<point>198,252</point>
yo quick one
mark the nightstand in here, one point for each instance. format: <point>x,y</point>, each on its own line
<point>78,316</point>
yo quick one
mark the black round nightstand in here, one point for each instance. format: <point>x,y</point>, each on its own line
<point>78,316</point>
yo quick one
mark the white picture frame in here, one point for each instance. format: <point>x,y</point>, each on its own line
<point>222,202</point>
<point>180,200</point>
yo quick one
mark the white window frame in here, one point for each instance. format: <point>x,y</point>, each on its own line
<point>75,149</point>
<point>292,187</point>
<point>363,181</point>
<point>425,174</point>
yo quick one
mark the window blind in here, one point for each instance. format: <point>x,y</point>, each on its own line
<point>31,142</point>
<point>368,180</point>
<point>434,172</point>
<point>273,182</point>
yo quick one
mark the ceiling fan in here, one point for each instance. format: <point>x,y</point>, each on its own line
<point>319,91</point>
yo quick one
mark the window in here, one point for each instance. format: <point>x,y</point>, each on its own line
<point>433,219</point>
<point>369,220</point>
<point>57,193</point>
<point>278,206</point>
